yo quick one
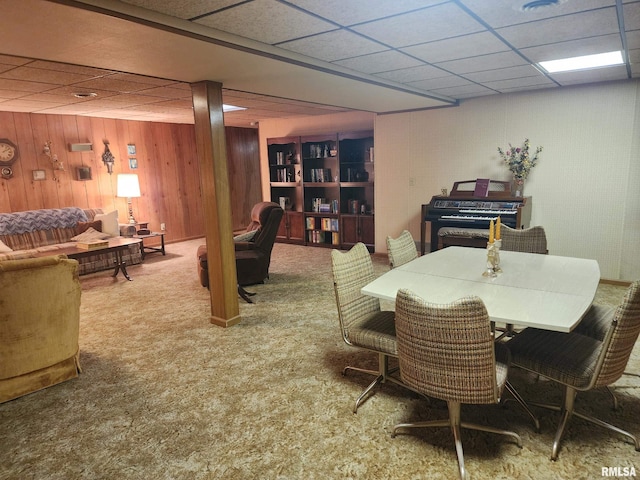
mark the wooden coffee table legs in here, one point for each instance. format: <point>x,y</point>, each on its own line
<point>121,265</point>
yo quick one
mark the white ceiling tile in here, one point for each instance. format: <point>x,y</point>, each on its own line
<point>504,73</point>
<point>512,83</point>
<point>632,16</point>
<point>560,29</point>
<point>465,91</point>
<point>267,21</point>
<point>110,83</point>
<point>500,13</point>
<point>529,88</point>
<point>442,82</point>
<point>66,67</point>
<point>633,39</point>
<point>379,62</point>
<point>24,86</point>
<point>6,94</point>
<point>413,74</point>
<point>10,60</point>
<point>484,62</point>
<point>332,46</point>
<point>349,12</point>
<point>47,76</point>
<point>433,23</point>
<point>465,46</point>
<point>183,8</point>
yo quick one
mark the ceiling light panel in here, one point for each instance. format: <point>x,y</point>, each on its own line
<point>584,62</point>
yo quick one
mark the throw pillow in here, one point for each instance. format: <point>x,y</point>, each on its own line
<point>90,235</point>
<point>4,248</point>
<point>109,223</point>
<point>82,227</point>
<point>245,237</point>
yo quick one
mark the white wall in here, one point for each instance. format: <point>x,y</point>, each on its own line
<point>585,188</point>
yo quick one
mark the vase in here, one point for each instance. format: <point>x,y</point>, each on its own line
<point>517,187</point>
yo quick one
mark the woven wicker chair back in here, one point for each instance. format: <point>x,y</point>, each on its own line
<point>401,250</point>
<point>530,240</point>
<point>626,327</point>
<point>446,351</point>
<point>352,270</point>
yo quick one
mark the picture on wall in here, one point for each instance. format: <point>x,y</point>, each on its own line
<point>131,149</point>
<point>84,173</point>
<point>133,163</point>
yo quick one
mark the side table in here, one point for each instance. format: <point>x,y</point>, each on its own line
<point>145,250</point>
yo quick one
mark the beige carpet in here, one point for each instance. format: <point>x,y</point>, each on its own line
<point>167,395</point>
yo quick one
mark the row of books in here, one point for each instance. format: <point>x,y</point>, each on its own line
<point>321,205</point>
<point>326,224</point>
<point>320,175</point>
<point>318,236</point>
<point>284,175</point>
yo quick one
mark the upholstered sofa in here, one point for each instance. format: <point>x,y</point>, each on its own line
<point>39,324</point>
<point>23,234</point>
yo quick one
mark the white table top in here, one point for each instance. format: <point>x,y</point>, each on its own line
<point>533,290</point>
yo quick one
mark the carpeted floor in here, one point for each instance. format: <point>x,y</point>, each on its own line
<point>166,395</point>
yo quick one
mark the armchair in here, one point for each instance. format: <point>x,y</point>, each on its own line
<point>39,324</point>
<point>253,257</point>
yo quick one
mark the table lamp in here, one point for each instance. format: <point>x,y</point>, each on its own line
<point>129,187</point>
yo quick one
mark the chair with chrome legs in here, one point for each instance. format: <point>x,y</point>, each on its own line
<point>583,359</point>
<point>362,323</point>
<point>530,240</point>
<point>401,250</point>
<point>448,352</point>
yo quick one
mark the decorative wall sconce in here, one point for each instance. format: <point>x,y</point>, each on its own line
<point>55,163</point>
<point>108,158</point>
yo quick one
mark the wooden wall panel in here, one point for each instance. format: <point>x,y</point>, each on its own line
<point>243,155</point>
<point>167,162</point>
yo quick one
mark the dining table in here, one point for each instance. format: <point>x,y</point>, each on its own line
<point>548,292</point>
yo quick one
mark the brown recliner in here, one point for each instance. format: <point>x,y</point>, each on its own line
<point>254,256</point>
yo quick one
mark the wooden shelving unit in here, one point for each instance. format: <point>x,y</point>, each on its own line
<point>325,184</point>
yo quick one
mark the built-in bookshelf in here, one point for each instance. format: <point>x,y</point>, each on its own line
<point>325,185</point>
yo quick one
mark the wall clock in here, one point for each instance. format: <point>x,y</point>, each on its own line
<point>8,152</point>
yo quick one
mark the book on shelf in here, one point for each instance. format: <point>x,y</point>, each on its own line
<point>94,245</point>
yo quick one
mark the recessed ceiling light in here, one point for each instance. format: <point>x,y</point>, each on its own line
<point>537,4</point>
<point>85,95</point>
<point>599,60</point>
<point>231,108</point>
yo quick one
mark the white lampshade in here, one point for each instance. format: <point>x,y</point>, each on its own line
<point>128,185</point>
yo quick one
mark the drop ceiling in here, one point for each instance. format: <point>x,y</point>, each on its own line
<point>281,59</point>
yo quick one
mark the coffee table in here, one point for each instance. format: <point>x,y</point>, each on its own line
<point>145,249</point>
<point>116,245</point>
<point>542,291</point>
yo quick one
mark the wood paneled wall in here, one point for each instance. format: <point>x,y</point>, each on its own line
<point>167,168</point>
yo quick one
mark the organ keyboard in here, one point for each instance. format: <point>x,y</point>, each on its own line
<point>464,211</point>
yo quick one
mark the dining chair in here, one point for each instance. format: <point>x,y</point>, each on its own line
<point>583,359</point>
<point>447,351</point>
<point>362,323</point>
<point>401,250</point>
<point>530,240</point>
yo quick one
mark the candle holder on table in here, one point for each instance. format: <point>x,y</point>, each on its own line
<point>493,259</point>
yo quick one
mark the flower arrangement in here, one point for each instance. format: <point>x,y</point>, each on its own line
<point>519,160</point>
